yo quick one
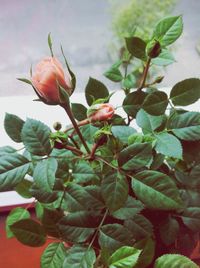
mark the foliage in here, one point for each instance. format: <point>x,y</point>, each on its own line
<point>110,195</point>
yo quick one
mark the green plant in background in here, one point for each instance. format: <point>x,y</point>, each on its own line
<point>137,17</point>
<point>109,195</point>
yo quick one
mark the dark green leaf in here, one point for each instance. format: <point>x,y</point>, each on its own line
<point>148,250</point>
<point>53,256</point>
<point>13,168</point>
<point>174,261</point>
<point>131,207</point>
<point>79,111</point>
<point>49,219</point>
<point>122,132</point>
<point>44,174</point>
<point>169,231</point>
<point>13,127</point>
<point>156,190</point>
<point>114,236</point>
<point>186,126</point>
<point>15,215</point>
<point>36,137</point>
<point>133,102</point>
<point>186,92</point>
<point>191,218</point>
<point>29,232</point>
<point>88,132</point>
<point>167,144</point>
<point>77,227</point>
<point>155,103</point>
<point>42,195</point>
<point>114,189</point>
<point>95,90</point>
<point>23,188</point>
<point>124,257</point>
<point>80,257</point>
<point>140,227</point>
<point>135,156</point>
<point>168,30</point>
<point>137,47</point>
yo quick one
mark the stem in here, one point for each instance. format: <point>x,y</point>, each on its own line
<point>98,229</point>
<point>73,149</point>
<point>71,117</point>
<point>74,142</point>
<point>144,76</point>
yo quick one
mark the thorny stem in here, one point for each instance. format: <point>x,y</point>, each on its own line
<point>71,117</point>
<point>144,76</point>
<point>98,228</point>
<point>74,142</point>
<point>73,149</point>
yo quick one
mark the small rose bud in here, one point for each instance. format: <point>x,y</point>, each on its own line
<point>57,126</point>
<point>47,77</point>
<point>100,112</point>
<point>153,49</point>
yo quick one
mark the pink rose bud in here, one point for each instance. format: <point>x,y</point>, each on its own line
<point>48,75</point>
<point>100,112</point>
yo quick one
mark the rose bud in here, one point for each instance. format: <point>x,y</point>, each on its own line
<point>100,112</point>
<point>47,78</point>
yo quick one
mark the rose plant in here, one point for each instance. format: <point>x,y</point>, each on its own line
<point>108,194</point>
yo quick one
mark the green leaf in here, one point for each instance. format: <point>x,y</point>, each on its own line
<point>165,58</point>
<point>15,215</point>
<point>124,257</point>
<point>114,189</point>
<point>43,196</point>
<point>174,261</point>
<point>114,236</point>
<point>29,232</point>
<point>80,257</point>
<point>133,102</point>
<point>147,246</point>
<point>148,122</point>
<point>137,47</point>
<point>88,132</point>
<point>13,127</point>
<point>6,150</point>
<point>135,156</point>
<point>79,198</point>
<point>44,174</point>
<point>169,231</point>
<point>167,144</point>
<point>13,168</point>
<point>50,44</point>
<point>95,90</point>
<point>129,81</point>
<point>186,92</point>
<point>53,256</point>
<point>79,111</point>
<point>156,190</point>
<point>23,188</point>
<point>155,103</point>
<point>191,218</point>
<point>36,137</point>
<point>186,126</point>
<point>168,30</point>
<point>83,173</point>
<point>131,207</point>
<point>114,74</point>
<point>122,132</point>
<point>139,226</point>
<point>77,227</point>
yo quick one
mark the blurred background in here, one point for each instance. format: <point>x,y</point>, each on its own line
<point>92,34</point>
